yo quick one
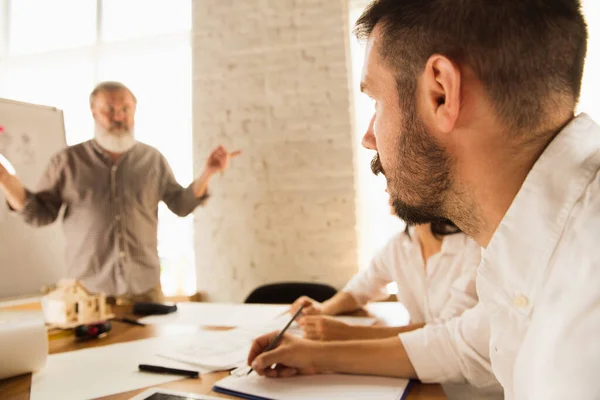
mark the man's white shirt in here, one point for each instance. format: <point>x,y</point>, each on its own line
<point>537,325</point>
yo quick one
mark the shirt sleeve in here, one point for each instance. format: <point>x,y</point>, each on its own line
<point>181,201</point>
<point>43,206</point>
<point>370,283</point>
<point>456,351</point>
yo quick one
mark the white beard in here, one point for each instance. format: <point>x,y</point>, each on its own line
<point>115,142</point>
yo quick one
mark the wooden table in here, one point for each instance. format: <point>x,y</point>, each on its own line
<point>18,388</point>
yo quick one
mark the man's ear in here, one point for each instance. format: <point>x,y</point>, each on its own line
<point>440,88</point>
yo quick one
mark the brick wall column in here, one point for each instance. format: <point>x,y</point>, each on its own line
<point>272,77</point>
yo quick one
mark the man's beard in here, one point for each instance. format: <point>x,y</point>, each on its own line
<point>420,184</point>
<point>115,142</point>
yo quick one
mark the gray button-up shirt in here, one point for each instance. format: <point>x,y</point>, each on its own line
<point>110,213</point>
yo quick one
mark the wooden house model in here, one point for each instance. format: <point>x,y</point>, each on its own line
<point>70,304</point>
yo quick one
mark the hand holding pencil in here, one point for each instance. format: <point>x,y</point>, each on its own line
<point>289,354</point>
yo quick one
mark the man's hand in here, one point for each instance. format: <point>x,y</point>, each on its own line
<point>318,327</point>
<point>293,356</point>
<point>311,307</point>
<point>11,185</point>
<point>4,173</point>
<point>218,161</point>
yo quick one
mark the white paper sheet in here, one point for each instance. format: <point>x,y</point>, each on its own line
<point>230,349</point>
<point>106,370</point>
<point>218,314</point>
<point>226,351</point>
<point>237,315</point>
<point>317,387</point>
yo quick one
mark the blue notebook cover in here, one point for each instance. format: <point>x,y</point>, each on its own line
<point>238,394</point>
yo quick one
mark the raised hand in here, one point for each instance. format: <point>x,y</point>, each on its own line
<point>219,159</point>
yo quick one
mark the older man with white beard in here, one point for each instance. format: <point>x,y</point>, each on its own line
<point>110,187</point>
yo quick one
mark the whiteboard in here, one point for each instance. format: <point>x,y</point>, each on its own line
<point>30,257</point>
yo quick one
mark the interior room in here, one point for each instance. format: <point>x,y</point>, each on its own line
<point>189,186</point>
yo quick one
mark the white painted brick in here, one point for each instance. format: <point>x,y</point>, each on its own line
<point>272,77</point>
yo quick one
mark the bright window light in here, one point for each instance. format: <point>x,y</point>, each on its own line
<point>55,59</point>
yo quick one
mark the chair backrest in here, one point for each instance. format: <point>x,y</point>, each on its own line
<point>288,292</point>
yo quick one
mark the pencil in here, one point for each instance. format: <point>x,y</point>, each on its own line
<point>280,334</point>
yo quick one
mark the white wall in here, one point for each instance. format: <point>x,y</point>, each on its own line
<point>591,79</point>
<point>272,78</point>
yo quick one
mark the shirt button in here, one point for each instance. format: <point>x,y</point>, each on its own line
<point>122,254</point>
<point>521,301</point>
<point>118,217</point>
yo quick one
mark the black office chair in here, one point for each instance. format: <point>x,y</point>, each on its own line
<point>288,292</point>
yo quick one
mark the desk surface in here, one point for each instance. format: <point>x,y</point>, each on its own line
<point>18,388</point>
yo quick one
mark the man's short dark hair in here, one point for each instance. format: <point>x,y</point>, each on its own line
<point>529,54</point>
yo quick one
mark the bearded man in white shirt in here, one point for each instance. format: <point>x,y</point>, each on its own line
<point>475,122</point>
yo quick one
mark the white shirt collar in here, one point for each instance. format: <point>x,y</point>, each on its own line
<point>534,222</point>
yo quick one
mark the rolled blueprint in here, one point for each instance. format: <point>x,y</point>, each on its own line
<point>23,342</point>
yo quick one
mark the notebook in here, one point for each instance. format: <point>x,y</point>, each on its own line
<point>314,387</point>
